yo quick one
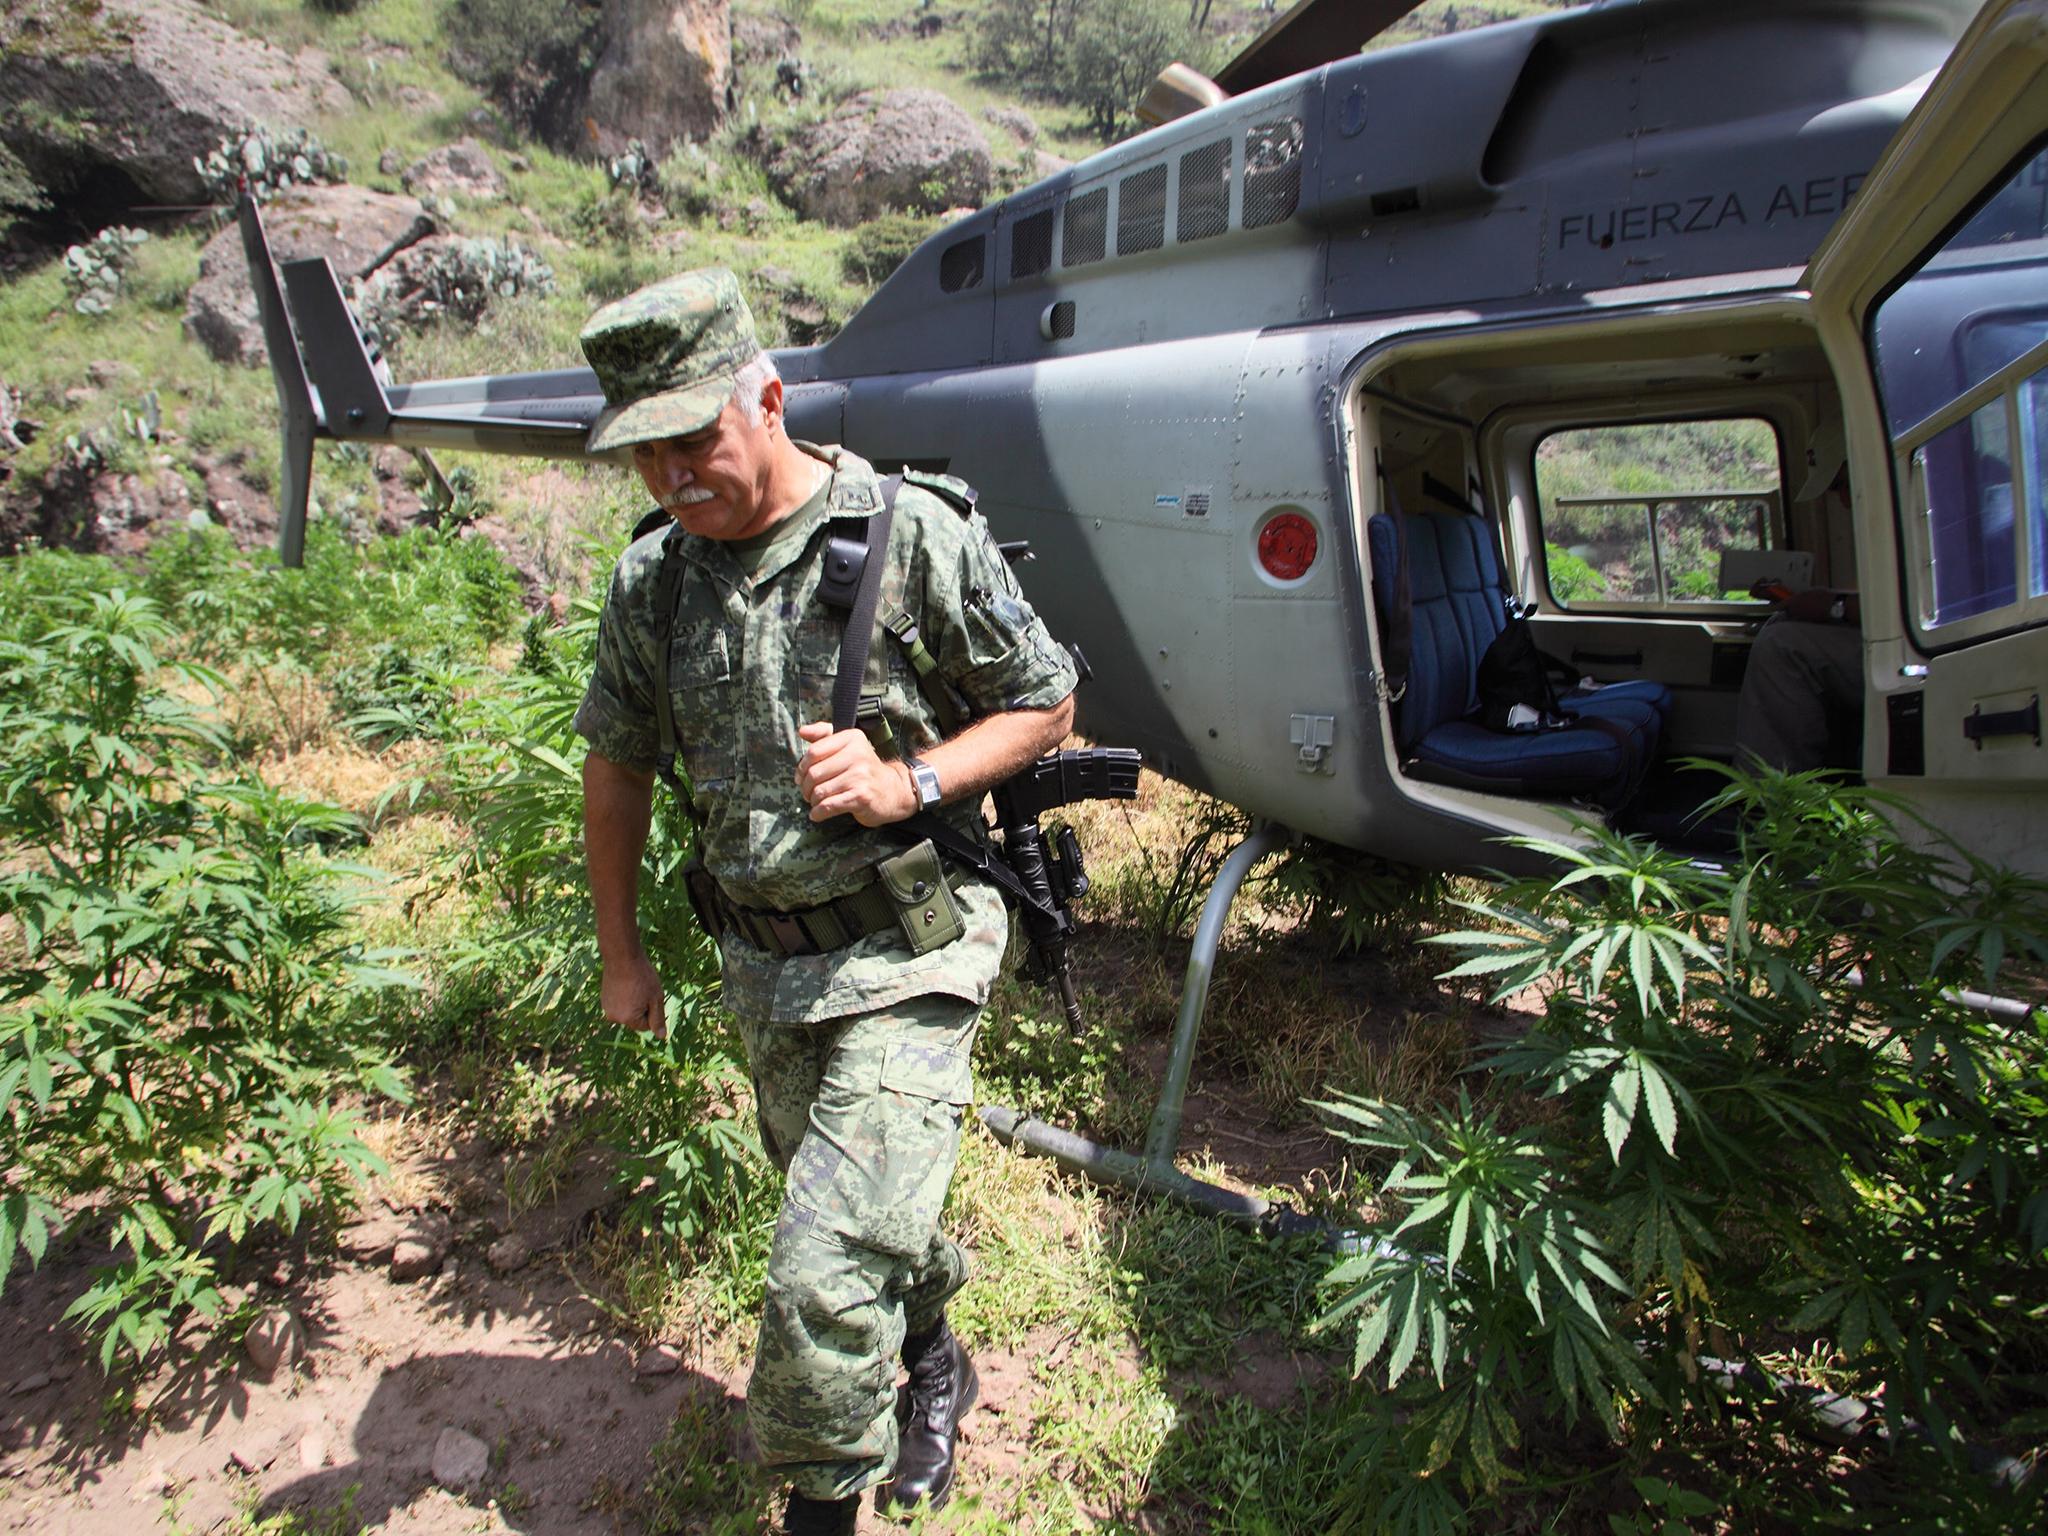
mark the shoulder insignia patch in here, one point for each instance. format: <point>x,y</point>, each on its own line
<point>850,495</point>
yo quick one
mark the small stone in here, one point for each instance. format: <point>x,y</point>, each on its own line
<point>390,163</point>
<point>460,1460</point>
<point>419,1253</point>
<point>275,1341</point>
<point>314,1449</point>
<point>508,1253</point>
<point>35,1381</point>
<point>255,1452</point>
<point>659,1360</point>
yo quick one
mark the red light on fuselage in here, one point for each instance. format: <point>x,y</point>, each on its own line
<point>1287,547</point>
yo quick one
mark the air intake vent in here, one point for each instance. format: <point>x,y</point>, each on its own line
<point>1031,245</point>
<point>1141,212</point>
<point>1272,172</point>
<point>1057,323</point>
<point>1204,192</point>
<point>1086,236</point>
<point>960,266</point>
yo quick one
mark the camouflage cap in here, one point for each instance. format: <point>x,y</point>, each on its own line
<point>666,356</point>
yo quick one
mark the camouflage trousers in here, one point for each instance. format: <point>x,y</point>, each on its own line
<point>863,1114</point>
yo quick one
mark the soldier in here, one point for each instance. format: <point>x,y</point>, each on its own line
<point>857,998</point>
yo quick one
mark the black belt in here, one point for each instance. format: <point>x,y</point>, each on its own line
<point>831,925</point>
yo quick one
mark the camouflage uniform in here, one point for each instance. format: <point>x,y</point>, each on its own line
<point>860,1056</point>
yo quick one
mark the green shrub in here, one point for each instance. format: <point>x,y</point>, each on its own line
<point>1353,900</point>
<point>176,1019</point>
<point>423,590</point>
<point>1098,55</point>
<point>1773,1127</point>
<point>531,55</point>
<point>669,1107</point>
<point>881,245</point>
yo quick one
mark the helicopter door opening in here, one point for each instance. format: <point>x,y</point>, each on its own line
<point>1624,482</point>
<point>1931,296</point>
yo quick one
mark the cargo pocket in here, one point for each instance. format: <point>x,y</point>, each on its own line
<point>884,1183</point>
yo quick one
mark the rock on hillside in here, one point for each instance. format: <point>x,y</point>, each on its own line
<point>136,89</point>
<point>464,168</point>
<point>664,75</point>
<point>882,150</point>
<point>354,228</point>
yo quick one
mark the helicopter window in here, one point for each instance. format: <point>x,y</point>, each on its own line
<point>1141,211</point>
<point>1204,192</point>
<point>1961,353</point>
<point>1086,235</point>
<point>1272,171</point>
<point>1960,483</point>
<point>1645,513</point>
<point>1031,245</point>
<point>960,265</point>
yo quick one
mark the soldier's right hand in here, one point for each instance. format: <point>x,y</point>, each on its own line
<point>631,994</point>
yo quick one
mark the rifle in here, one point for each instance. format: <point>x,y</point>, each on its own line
<point>1047,864</point>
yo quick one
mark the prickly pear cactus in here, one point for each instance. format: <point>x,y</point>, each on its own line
<point>271,161</point>
<point>635,170</point>
<point>93,269</point>
<point>455,278</point>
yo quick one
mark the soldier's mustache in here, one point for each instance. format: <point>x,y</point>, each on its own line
<point>688,496</point>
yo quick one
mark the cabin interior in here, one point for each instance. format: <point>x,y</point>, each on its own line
<point>1625,482</point>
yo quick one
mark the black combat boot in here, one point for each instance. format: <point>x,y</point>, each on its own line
<point>942,1388</point>
<point>807,1516</point>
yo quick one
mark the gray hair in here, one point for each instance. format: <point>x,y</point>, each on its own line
<point>748,383</point>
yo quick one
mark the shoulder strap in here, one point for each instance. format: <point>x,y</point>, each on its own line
<point>668,590</point>
<point>860,621</point>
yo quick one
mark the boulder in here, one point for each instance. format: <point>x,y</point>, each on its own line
<point>883,150</point>
<point>354,228</point>
<point>122,95</point>
<point>663,77</point>
<point>1014,121</point>
<point>764,39</point>
<point>463,168</point>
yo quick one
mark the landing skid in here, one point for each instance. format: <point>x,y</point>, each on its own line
<point>1154,1173</point>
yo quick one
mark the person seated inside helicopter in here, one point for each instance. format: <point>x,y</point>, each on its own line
<point>1801,704</point>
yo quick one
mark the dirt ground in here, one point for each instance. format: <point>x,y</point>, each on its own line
<point>564,1402</point>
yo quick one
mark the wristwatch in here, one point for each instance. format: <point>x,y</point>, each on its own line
<point>924,778</point>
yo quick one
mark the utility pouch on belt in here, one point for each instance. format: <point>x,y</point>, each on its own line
<point>915,882</point>
<point>702,891</point>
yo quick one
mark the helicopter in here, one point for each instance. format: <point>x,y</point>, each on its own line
<point>1278,391</point>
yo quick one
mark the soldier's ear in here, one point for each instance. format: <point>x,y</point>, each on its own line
<point>771,404</point>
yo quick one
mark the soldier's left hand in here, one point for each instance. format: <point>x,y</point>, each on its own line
<point>840,775</point>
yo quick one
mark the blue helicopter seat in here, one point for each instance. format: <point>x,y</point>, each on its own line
<point>1457,607</point>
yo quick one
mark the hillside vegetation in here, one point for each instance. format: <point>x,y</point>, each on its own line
<point>1708,1205</point>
